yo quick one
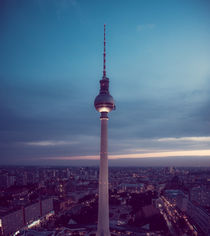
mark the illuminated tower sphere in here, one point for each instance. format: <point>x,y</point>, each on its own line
<point>104,103</point>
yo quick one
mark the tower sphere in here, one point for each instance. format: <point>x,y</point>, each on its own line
<point>104,103</point>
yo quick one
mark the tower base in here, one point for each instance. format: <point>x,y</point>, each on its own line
<point>103,233</point>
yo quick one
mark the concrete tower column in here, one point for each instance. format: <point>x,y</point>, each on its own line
<point>103,211</point>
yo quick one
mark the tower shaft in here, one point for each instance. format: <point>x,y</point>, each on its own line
<point>103,207</point>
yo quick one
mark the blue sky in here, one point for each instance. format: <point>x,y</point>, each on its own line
<point>158,57</point>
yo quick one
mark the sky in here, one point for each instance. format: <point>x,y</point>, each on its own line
<point>51,61</point>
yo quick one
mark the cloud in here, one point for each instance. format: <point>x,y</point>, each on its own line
<point>145,27</point>
<point>50,143</point>
<point>195,139</point>
<point>202,112</point>
<point>61,7</point>
<point>138,155</point>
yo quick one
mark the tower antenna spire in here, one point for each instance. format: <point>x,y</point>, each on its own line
<point>104,71</point>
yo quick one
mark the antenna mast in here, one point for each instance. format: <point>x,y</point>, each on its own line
<point>104,71</point>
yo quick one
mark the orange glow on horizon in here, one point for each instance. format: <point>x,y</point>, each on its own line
<point>138,155</point>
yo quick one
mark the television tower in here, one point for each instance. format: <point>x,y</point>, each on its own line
<point>104,103</point>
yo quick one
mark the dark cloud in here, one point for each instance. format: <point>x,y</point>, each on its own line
<point>69,118</point>
<point>204,111</point>
<point>198,122</point>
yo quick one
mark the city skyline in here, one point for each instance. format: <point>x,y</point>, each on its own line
<point>51,60</point>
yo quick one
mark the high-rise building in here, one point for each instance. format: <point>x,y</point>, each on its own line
<point>104,103</point>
